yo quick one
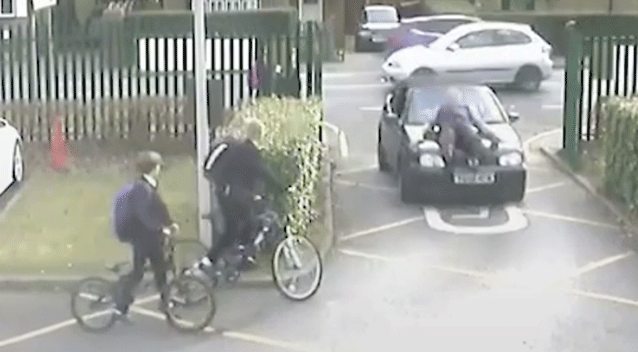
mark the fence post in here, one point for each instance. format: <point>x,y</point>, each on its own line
<point>573,93</point>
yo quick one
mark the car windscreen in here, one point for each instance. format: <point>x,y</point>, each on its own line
<point>438,26</point>
<point>382,16</point>
<point>426,104</point>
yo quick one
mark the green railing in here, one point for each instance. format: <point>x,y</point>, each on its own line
<point>117,76</point>
<point>601,61</point>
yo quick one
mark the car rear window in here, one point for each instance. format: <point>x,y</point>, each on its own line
<point>379,15</point>
<point>426,104</point>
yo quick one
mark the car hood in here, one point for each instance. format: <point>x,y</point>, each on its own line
<point>380,26</point>
<point>409,54</point>
<point>509,138</point>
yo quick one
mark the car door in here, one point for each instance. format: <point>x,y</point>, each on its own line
<point>516,49</point>
<point>389,118</point>
<point>397,132</point>
<point>6,154</point>
<point>471,58</point>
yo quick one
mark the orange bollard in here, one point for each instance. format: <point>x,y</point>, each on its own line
<point>58,147</point>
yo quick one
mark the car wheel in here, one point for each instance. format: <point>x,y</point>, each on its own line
<point>407,194</point>
<point>18,164</point>
<point>528,78</point>
<point>381,159</point>
<point>422,72</point>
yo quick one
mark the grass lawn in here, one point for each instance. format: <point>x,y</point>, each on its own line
<point>62,222</point>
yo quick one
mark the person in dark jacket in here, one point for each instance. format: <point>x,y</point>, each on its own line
<point>460,131</point>
<point>150,221</point>
<point>236,167</point>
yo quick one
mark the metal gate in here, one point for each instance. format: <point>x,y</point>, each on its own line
<point>602,61</point>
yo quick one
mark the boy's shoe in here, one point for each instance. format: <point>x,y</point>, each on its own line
<point>123,317</point>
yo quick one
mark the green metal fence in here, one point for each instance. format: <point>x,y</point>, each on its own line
<point>602,61</point>
<point>120,74</point>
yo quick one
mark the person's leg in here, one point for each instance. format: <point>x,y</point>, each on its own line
<point>158,264</point>
<point>227,238</point>
<point>127,283</point>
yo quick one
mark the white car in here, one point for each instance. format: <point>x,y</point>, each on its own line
<point>11,157</point>
<point>479,52</point>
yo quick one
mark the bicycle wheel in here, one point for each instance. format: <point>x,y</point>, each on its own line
<point>186,252</point>
<point>296,256</point>
<point>98,293</point>
<point>190,293</point>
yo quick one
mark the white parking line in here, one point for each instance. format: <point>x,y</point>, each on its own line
<point>533,139</point>
<point>14,199</point>
<point>380,228</point>
<point>357,170</point>
<point>483,214</point>
<point>570,219</point>
<point>54,327</point>
<point>364,185</point>
<point>516,221</point>
<point>600,263</point>
<point>546,187</point>
<point>234,334</point>
<point>370,108</point>
<point>356,86</point>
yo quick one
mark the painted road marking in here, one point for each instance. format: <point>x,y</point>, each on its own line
<point>544,188</point>
<point>600,264</point>
<point>356,86</point>
<point>379,229</point>
<point>54,327</point>
<point>371,108</point>
<point>464,272</point>
<point>529,141</point>
<point>603,297</point>
<point>234,334</point>
<point>570,219</point>
<point>357,170</point>
<point>516,221</point>
<point>484,213</point>
<point>364,185</point>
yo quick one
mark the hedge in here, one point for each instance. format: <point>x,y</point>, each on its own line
<point>291,147</point>
<point>620,149</point>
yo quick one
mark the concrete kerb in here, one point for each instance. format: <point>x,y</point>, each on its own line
<point>247,280</point>
<point>626,224</point>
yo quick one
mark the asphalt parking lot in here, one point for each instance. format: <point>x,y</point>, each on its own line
<point>548,274</point>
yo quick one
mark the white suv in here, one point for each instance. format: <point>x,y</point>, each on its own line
<point>480,52</point>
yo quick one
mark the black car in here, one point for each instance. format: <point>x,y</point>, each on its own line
<point>376,23</point>
<point>407,146</point>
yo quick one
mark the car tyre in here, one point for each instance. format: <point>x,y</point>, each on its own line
<point>18,164</point>
<point>381,159</point>
<point>528,79</point>
<point>406,193</point>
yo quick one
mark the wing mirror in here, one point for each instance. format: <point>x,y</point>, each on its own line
<point>453,47</point>
<point>512,114</point>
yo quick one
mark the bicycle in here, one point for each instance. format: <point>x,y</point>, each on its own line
<point>288,254</point>
<point>106,290</point>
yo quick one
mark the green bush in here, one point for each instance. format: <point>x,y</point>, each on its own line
<point>620,149</point>
<point>291,146</point>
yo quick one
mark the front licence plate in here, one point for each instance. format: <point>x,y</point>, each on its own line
<point>474,179</point>
<point>378,40</point>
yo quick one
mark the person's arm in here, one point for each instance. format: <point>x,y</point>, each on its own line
<point>483,127</point>
<point>142,206</point>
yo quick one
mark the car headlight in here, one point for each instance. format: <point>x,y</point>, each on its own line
<point>364,33</point>
<point>431,160</point>
<point>510,159</point>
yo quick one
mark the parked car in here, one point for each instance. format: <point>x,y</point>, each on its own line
<point>407,147</point>
<point>424,30</point>
<point>11,157</point>
<point>377,21</point>
<point>486,52</point>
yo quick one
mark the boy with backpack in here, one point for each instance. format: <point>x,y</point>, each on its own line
<point>142,219</point>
